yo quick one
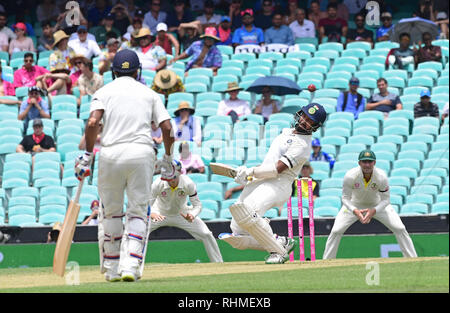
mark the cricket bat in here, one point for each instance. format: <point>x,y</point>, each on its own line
<point>66,234</point>
<point>225,170</point>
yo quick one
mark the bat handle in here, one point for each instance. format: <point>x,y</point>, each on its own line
<point>79,188</point>
<point>249,178</point>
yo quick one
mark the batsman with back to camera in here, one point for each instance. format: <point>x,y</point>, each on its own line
<point>271,187</point>
<point>169,208</point>
<point>365,195</point>
<point>127,108</point>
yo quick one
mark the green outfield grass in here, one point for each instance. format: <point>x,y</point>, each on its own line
<point>342,275</point>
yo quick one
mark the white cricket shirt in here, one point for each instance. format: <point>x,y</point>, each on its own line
<point>291,149</point>
<point>357,193</point>
<point>129,108</point>
<point>170,201</point>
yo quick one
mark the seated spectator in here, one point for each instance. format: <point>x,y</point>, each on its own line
<point>166,40</point>
<point>76,61</point>
<point>204,52</point>
<point>302,28</point>
<point>122,17</point>
<point>360,33</point>
<point>208,18</point>
<point>234,106</point>
<point>306,172</point>
<point>188,33</point>
<point>155,16</point>
<point>267,106</point>
<point>89,82</point>
<point>84,46</point>
<point>235,15</point>
<point>46,41</point>
<point>291,12</point>
<point>34,106</point>
<point>248,34</point>
<point>279,33</point>
<point>425,107</point>
<point>47,11</point>
<point>106,58</point>
<point>57,82</point>
<point>180,14</point>
<point>4,29</point>
<point>383,101</point>
<point>315,14</point>
<point>319,155</point>
<point>382,33</point>
<point>139,19</point>
<point>427,52</point>
<point>62,52</point>
<point>264,18</point>
<point>106,27</point>
<point>402,56</point>
<point>351,101</point>
<point>4,43</point>
<point>192,163</point>
<point>167,82</point>
<point>22,42</point>
<point>342,10</point>
<point>152,57</point>
<point>36,142</point>
<point>6,88</point>
<point>332,27</point>
<point>93,218</point>
<point>156,136</point>
<point>185,126</point>
<point>26,76</point>
<point>224,31</point>
<point>445,112</point>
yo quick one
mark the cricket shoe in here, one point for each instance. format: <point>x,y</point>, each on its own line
<point>276,258</point>
<point>287,243</point>
<point>112,277</point>
<point>129,276</point>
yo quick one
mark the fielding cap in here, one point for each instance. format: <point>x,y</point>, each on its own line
<point>367,155</point>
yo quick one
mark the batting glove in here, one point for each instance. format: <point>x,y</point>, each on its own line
<point>83,165</point>
<point>242,174</point>
<point>167,168</point>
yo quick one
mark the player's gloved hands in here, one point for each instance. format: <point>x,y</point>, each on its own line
<point>83,165</point>
<point>242,174</point>
<point>166,167</point>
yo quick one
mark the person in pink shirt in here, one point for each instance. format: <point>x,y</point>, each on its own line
<point>26,76</point>
<point>192,163</point>
<point>6,88</point>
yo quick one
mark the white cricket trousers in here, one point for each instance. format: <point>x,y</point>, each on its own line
<point>260,196</point>
<point>127,168</point>
<point>388,217</point>
<point>196,229</point>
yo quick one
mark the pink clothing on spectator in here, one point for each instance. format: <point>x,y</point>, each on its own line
<point>8,89</point>
<point>74,77</point>
<point>24,78</point>
<point>194,161</point>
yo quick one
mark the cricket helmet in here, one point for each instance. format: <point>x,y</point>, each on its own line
<point>126,61</point>
<point>315,112</point>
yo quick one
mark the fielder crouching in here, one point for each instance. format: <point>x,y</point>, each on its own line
<point>169,208</point>
<point>272,186</point>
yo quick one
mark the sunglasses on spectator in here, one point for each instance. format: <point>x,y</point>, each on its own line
<point>78,62</point>
<point>28,61</point>
<point>156,4</point>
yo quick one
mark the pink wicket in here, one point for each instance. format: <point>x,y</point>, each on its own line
<point>300,221</point>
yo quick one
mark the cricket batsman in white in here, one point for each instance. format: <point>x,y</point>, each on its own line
<point>169,208</point>
<point>126,164</point>
<point>271,186</point>
<point>365,195</point>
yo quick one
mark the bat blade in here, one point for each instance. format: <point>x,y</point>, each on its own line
<point>223,169</point>
<point>65,239</point>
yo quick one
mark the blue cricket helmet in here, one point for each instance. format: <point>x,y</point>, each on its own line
<point>315,112</point>
<point>126,61</point>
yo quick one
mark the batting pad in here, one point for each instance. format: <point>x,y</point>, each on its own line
<point>256,226</point>
<point>131,250</point>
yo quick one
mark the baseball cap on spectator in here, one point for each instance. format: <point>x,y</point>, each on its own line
<point>139,13</point>
<point>112,41</point>
<point>110,16</point>
<point>21,26</point>
<point>37,122</point>
<point>386,14</point>
<point>425,93</point>
<point>81,29</point>
<point>247,12</point>
<point>225,19</point>
<point>161,27</point>
<point>35,88</point>
<point>354,81</point>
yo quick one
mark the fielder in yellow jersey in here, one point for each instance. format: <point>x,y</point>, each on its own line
<point>365,195</point>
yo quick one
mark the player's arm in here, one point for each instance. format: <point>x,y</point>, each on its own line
<point>347,198</point>
<point>168,138</point>
<point>92,128</point>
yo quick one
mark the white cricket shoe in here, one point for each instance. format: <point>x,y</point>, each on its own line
<point>112,277</point>
<point>129,276</point>
<point>287,243</point>
<point>276,258</point>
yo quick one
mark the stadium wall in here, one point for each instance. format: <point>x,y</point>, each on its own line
<point>190,251</point>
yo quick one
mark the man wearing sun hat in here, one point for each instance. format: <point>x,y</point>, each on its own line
<point>167,82</point>
<point>233,106</point>
<point>365,195</point>
<point>151,56</point>
<point>185,125</point>
<point>204,52</point>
